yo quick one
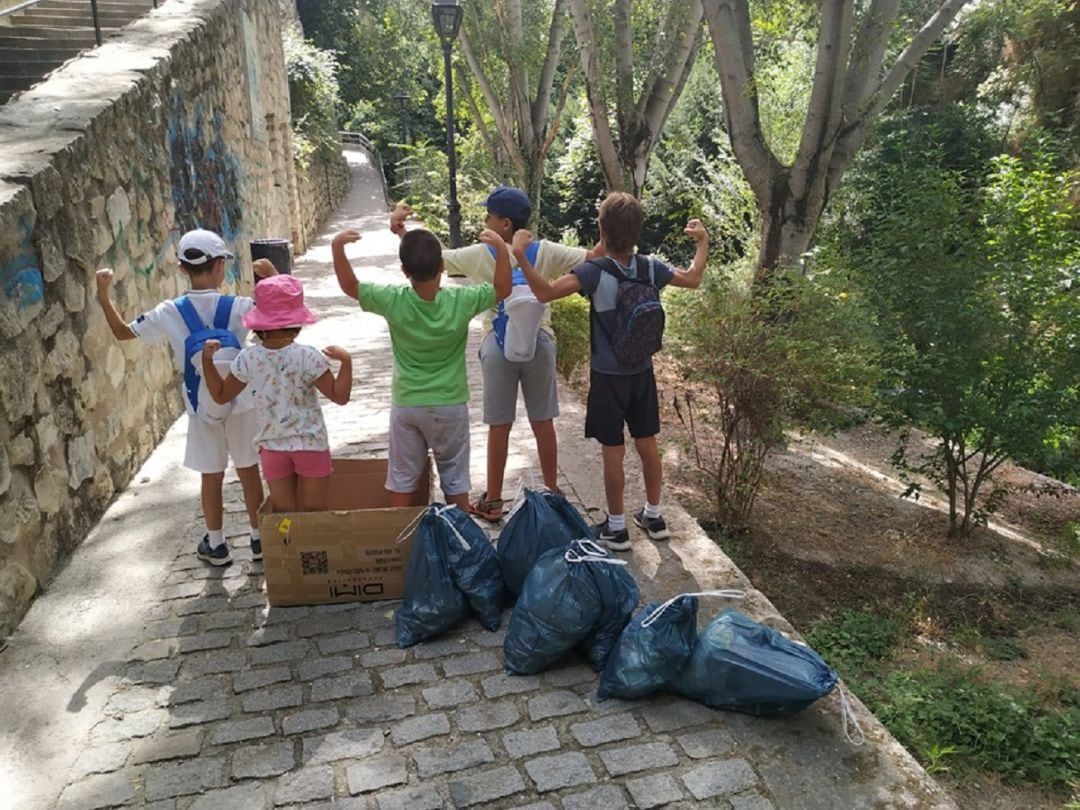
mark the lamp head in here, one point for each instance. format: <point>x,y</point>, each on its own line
<point>446,14</point>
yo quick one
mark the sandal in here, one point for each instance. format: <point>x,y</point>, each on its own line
<point>491,511</point>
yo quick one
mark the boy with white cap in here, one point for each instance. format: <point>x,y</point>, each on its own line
<point>212,437</point>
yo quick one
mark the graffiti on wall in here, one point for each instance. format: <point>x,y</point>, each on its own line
<point>20,276</point>
<point>205,175</point>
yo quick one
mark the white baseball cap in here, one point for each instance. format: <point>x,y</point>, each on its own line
<point>201,246</point>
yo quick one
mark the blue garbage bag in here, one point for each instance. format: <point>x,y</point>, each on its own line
<point>744,666</point>
<point>533,528</point>
<point>474,566</point>
<point>570,597</point>
<point>433,602</point>
<point>571,518</point>
<point>652,649</point>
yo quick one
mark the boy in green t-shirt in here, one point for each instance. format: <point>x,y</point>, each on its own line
<point>429,327</point>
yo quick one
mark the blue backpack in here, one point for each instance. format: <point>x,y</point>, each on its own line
<point>498,323</point>
<point>200,333</point>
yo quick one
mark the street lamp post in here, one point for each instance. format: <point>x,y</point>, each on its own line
<point>446,14</point>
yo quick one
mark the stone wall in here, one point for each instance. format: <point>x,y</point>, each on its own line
<point>322,185</point>
<point>182,121</point>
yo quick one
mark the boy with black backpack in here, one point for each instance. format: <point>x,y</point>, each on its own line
<point>215,432</point>
<point>626,324</point>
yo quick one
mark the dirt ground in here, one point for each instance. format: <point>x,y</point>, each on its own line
<point>829,531</point>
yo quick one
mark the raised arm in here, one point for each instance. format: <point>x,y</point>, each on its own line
<point>543,289</point>
<point>691,277</point>
<point>221,390</point>
<point>337,389</point>
<point>120,330</point>
<point>346,278</point>
<point>503,281</point>
<point>402,211</point>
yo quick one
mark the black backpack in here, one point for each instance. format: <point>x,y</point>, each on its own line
<point>638,333</point>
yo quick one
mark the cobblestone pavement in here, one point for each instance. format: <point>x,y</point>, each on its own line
<point>201,696</point>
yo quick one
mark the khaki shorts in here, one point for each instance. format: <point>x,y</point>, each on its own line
<point>444,429</point>
<point>536,378</point>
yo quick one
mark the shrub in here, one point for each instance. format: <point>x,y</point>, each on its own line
<point>570,320</point>
<point>855,640</point>
<point>988,727</point>
<point>313,97</point>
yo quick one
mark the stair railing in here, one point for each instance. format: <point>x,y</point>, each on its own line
<point>31,3</point>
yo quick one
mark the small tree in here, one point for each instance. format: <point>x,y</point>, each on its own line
<point>974,293</point>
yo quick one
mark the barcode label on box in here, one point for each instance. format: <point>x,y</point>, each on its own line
<point>314,562</point>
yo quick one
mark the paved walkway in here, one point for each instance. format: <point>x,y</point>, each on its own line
<point>143,677</point>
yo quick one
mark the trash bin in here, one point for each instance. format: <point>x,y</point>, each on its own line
<point>278,251</point>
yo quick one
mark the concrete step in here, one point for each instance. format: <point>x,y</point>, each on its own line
<point>65,19</point>
<point>65,39</point>
<point>49,34</point>
<point>32,68</point>
<point>141,6</point>
<point>40,49</point>
<point>13,84</point>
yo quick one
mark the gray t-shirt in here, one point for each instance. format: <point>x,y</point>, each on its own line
<point>601,287</point>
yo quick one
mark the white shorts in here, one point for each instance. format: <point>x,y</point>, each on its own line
<point>210,445</point>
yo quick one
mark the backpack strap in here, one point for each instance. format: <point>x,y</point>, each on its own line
<point>531,252</point>
<point>643,265</point>
<point>187,312</point>
<point>223,312</point>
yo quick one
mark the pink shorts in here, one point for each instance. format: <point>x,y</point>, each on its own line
<point>278,464</point>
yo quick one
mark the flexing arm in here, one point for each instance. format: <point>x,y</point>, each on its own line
<point>502,280</point>
<point>543,289</point>
<point>337,389</point>
<point>346,278</point>
<point>402,211</point>
<point>691,277</point>
<point>221,390</point>
<point>120,330</point>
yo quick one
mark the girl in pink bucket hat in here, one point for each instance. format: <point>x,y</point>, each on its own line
<point>284,375</point>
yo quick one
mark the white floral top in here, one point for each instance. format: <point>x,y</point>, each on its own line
<point>286,401</point>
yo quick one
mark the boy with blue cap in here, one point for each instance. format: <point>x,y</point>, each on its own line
<point>504,368</point>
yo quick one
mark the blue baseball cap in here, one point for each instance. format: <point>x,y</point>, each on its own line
<point>509,202</point>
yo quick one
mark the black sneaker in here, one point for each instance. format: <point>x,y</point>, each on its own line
<point>256,549</point>
<point>615,540</point>
<point>214,556</point>
<point>655,527</point>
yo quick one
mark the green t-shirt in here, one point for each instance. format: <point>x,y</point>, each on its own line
<point>428,339</point>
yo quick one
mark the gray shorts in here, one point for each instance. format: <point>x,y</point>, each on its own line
<point>442,428</point>
<point>502,378</point>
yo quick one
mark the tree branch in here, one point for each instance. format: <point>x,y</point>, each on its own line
<point>594,91</point>
<point>823,111</point>
<point>556,32</point>
<point>502,125</point>
<point>729,24</point>
<point>671,72</point>
<point>854,132</point>
<point>624,68</point>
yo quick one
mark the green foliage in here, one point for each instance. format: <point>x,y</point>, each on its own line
<point>987,727</point>
<point>970,277</point>
<point>570,320</point>
<point>760,368</point>
<point>855,640</point>
<point>313,96</point>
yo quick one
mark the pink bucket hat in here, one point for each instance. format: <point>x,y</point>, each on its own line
<point>279,304</point>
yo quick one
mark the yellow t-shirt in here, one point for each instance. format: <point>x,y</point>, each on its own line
<point>476,263</point>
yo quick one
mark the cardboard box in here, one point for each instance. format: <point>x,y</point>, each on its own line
<point>349,553</point>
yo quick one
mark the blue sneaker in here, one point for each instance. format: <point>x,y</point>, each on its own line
<point>214,556</point>
<point>608,537</point>
<point>256,549</point>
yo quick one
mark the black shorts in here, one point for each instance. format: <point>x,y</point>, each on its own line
<point>615,399</point>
